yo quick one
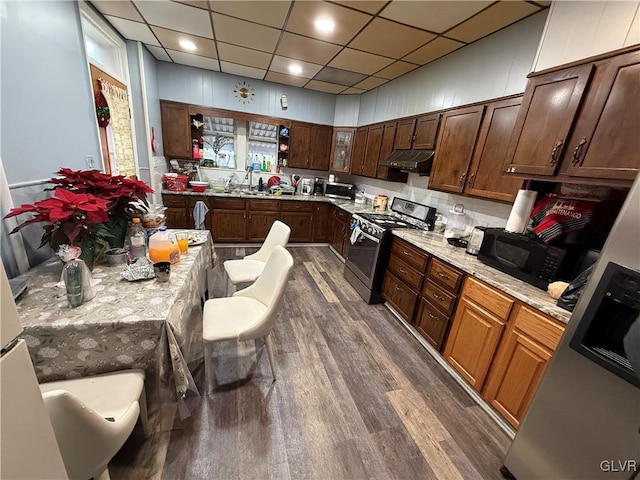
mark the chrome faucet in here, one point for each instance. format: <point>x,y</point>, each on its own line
<point>230,180</point>
<point>249,175</point>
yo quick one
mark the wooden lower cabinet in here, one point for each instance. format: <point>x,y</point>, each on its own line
<point>321,217</point>
<point>301,224</point>
<point>431,323</point>
<point>258,225</point>
<point>176,218</point>
<point>521,362</point>
<point>339,231</point>
<point>229,225</point>
<point>399,296</point>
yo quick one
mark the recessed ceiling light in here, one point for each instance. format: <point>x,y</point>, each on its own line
<point>295,69</point>
<point>188,45</point>
<point>324,25</point>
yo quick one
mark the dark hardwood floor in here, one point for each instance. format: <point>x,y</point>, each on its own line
<point>356,397</point>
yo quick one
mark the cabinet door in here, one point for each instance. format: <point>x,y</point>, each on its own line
<point>301,224</point>
<point>359,147</point>
<point>372,151</point>
<point>426,131</point>
<point>259,224</point>
<point>337,234</point>
<point>404,134</point>
<point>299,137</point>
<point>320,147</point>
<point>456,140</point>
<point>176,131</point>
<point>432,324</point>
<point>606,139</point>
<point>321,217</point>
<point>346,233</point>
<point>399,296</point>
<point>341,149</point>
<point>474,337</point>
<point>485,174</point>
<point>386,147</point>
<point>177,218</point>
<point>549,106</point>
<point>229,225</point>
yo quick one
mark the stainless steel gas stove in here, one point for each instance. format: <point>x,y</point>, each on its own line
<point>371,243</point>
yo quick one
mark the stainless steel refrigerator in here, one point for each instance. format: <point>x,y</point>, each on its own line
<point>584,422</point>
<point>28,448</point>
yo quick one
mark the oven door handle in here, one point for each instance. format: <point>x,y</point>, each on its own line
<point>370,237</point>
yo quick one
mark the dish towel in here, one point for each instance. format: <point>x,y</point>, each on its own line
<point>355,233</point>
<point>200,211</point>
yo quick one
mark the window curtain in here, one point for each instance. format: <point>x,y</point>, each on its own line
<point>119,129</point>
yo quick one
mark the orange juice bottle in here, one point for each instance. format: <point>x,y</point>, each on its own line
<point>163,247</point>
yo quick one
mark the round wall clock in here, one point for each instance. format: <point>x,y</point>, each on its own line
<point>244,92</point>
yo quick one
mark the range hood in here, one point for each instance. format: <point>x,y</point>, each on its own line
<point>415,161</point>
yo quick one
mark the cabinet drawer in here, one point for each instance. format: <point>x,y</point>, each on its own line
<point>408,253</point>
<point>340,214</point>
<point>293,206</point>
<point>432,323</point>
<point>262,205</point>
<point>228,203</point>
<point>445,275</point>
<point>174,200</point>
<point>407,274</point>
<point>488,297</point>
<point>191,201</point>
<point>439,297</point>
<point>540,328</point>
<point>399,296</point>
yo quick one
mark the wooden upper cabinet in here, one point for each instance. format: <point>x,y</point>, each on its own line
<point>176,131</point>
<point>426,131</point>
<point>549,107</point>
<point>404,134</point>
<point>359,147</point>
<point>485,177</point>
<point>341,149</point>
<point>605,142</point>
<point>456,140</point>
<point>372,150</point>
<point>386,147</point>
<point>320,147</point>
<point>299,138</point>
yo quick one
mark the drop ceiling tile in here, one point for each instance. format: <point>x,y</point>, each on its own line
<point>384,37</point>
<point>353,91</point>
<point>243,56</point>
<point>159,53</point>
<point>281,65</point>
<point>195,3</point>
<point>436,16</point>
<point>372,7</point>
<point>278,77</point>
<point>371,82</point>
<point>396,69</point>
<point>242,70</point>
<point>341,77</point>
<point>245,34</point>
<point>361,62</point>
<point>432,50</point>
<point>493,18</point>
<point>194,60</point>
<point>171,41</point>
<point>122,9</point>
<point>310,49</point>
<point>544,3</point>
<point>325,87</point>
<point>133,30</point>
<point>176,16</point>
<point>272,13</point>
<point>347,22</point>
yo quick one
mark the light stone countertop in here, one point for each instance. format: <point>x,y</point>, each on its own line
<point>437,246</point>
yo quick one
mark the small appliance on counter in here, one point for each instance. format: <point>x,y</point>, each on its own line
<point>457,223</point>
<point>380,203</point>
<point>340,190</point>
<point>477,235</point>
<point>318,186</point>
<point>307,186</point>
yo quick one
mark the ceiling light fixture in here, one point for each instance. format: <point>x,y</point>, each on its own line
<point>324,25</point>
<point>295,69</point>
<point>188,45</point>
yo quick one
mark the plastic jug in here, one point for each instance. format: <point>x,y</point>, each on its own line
<point>457,222</point>
<point>163,247</point>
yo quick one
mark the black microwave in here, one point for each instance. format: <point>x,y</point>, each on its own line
<point>528,258</point>
<point>340,190</point>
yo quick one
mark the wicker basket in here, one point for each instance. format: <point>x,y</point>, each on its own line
<point>175,183</point>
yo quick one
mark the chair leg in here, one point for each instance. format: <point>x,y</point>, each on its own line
<point>207,367</point>
<point>144,417</point>
<point>267,341</point>
<point>103,475</point>
<point>231,288</point>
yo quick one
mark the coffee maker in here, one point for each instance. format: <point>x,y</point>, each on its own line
<point>318,186</point>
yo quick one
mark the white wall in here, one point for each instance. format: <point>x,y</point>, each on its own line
<point>577,30</point>
<point>347,111</point>
<point>138,101</point>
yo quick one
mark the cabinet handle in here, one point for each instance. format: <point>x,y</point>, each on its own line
<point>404,252</point>
<point>555,153</point>
<point>471,180</point>
<point>433,317</point>
<point>437,297</point>
<point>578,151</point>
<point>409,139</point>
<point>402,270</point>
<point>397,288</point>
<point>440,274</point>
<point>462,177</point>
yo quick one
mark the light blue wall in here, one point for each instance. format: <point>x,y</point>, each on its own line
<point>153,98</point>
<point>47,110</point>
<point>137,101</point>
<point>214,89</point>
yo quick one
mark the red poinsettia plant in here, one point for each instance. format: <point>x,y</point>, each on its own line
<point>89,209</point>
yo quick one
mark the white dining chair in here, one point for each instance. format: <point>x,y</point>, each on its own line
<point>93,416</point>
<point>249,268</point>
<point>250,313</point>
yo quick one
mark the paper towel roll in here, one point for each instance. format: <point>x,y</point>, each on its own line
<point>519,216</point>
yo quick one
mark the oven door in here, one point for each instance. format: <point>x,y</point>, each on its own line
<point>362,257</point>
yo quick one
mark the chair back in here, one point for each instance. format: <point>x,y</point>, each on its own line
<point>278,235</point>
<point>87,441</point>
<point>268,289</point>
